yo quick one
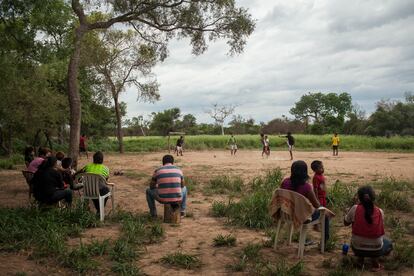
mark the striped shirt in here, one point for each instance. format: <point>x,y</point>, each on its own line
<point>168,180</point>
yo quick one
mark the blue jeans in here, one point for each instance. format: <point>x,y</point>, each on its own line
<point>151,197</point>
<point>385,250</point>
<point>315,216</point>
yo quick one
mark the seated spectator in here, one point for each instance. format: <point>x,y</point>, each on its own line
<point>97,167</point>
<point>59,156</point>
<point>48,185</point>
<point>167,187</point>
<point>298,182</point>
<point>43,153</point>
<point>68,174</point>
<point>29,155</point>
<point>368,229</point>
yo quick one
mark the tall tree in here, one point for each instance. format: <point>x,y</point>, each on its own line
<point>326,111</point>
<point>165,121</point>
<point>121,59</point>
<point>220,113</point>
<point>157,21</point>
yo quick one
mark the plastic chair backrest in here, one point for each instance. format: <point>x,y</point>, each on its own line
<point>91,183</point>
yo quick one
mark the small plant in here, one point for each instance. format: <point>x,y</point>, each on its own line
<point>252,251</point>
<point>398,227</point>
<point>403,255</point>
<point>281,268</point>
<point>182,260</point>
<point>126,269</point>
<point>332,242</point>
<point>191,184</point>
<point>341,195</point>
<point>394,200</point>
<point>219,209</point>
<point>224,184</point>
<point>227,240</point>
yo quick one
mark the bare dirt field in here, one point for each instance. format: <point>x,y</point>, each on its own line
<point>195,234</point>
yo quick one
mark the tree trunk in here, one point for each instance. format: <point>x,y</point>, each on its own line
<point>48,139</point>
<point>3,145</point>
<point>61,138</point>
<point>74,97</point>
<point>142,130</point>
<point>222,129</point>
<point>119,133</point>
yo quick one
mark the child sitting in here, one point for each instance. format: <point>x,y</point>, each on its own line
<point>68,173</point>
<point>318,182</point>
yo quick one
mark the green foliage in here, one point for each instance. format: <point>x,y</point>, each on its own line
<point>252,209</point>
<point>126,269</point>
<point>394,195</point>
<point>402,256</point>
<point>397,225</point>
<point>224,184</point>
<point>327,110</point>
<point>9,163</point>
<point>191,184</point>
<point>224,240</point>
<point>341,195</point>
<point>182,260</point>
<point>303,142</point>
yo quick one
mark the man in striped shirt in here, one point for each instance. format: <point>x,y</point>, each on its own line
<point>167,187</point>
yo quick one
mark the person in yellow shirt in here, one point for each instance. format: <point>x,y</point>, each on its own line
<point>335,144</point>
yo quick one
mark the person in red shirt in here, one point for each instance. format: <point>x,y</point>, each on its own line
<point>318,181</point>
<point>368,235</point>
<point>82,145</point>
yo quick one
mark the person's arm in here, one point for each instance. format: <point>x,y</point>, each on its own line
<point>182,182</point>
<point>349,217</point>
<point>312,198</point>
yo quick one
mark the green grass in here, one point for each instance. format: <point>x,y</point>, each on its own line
<point>11,162</point>
<point>252,208</point>
<point>45,233</point>
<point>224,240</point>
<point>224,184</point>
<point>182,260</point>
<point>303,142</point>
<point>341,195</point>
<point>394,195</point>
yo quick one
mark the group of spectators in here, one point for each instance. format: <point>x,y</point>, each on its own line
<point>54,177</point>
<point>367,219</point>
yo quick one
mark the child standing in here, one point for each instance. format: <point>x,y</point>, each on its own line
<point>233,144</point>
<point>290,142</point>
<point>318,181</point>
<point>266,146</point>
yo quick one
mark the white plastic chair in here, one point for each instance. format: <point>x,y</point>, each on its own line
<point>304,227</point>
<point>91,183</point>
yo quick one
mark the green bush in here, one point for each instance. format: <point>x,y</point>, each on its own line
<point>11,162</point>
<point>224,184</point>
<point>252,209</point>
<point>341,195</point>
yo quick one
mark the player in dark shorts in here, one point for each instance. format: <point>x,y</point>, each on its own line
<point>179,146</point>
<point>290,142</point>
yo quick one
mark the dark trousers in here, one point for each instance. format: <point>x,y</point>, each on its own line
<point>59,195</point>
<point>385,250</point>
<point>102,191</point>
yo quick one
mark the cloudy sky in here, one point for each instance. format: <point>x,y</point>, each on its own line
<point>365,48</point>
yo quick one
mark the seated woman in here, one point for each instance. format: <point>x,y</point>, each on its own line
<point>48,184</point>
<point>368,229</point>
<point>298,182</point>
<point>68,174</point>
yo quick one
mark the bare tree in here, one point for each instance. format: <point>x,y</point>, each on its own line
<point>220,113</point>
<point>158,22</point>
<point>123,60</point>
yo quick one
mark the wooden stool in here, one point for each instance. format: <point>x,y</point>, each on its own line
<point>172,215</point>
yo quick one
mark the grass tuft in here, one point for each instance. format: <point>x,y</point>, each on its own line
<point>182,260</point>
<point>224,240</point>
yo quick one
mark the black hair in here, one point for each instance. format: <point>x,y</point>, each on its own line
<point>66,162</point>
<point>28,150</point>
<point>315,165</point>
<point>298,174</point>
<point>60,155</point>
<point>167,159</point>
<point>289,133</point>
<point>43,151</point>
<point>49,162</point>
<point>261,134</point>
<point>98,157</point>
<point>366,196</point>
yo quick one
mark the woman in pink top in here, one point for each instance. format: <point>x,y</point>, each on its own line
<point>298,182</point>
<point>43,154</point>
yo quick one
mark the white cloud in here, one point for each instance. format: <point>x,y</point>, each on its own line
<point>360,47</point>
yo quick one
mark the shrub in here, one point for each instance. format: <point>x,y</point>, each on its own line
<point>182,260</point>
<point>341,195</point>
<point>227,240</point>
<point>224,184</point>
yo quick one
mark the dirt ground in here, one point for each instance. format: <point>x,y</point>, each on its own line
<point>195,234</point>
